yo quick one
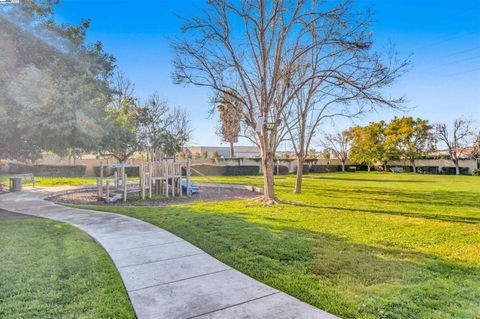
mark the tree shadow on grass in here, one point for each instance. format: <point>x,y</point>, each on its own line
<point>444,198</point>
<point>369,179</point>
<point>346,278</point>
<point>444,218</point>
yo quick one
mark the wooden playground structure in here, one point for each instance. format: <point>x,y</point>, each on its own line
<point>164,177</point>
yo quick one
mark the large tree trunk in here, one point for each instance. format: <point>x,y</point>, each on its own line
<point>343,166</point>
<point>268,180</point>
<point>299,178</point>
<point>301,151</point>
<point>457,167</point>
<point>267,167</point>
<point>232,150</point>
<point>414,167</point>
<point>368,167</point>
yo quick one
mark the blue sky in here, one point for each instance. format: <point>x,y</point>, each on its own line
<point>443,36</point>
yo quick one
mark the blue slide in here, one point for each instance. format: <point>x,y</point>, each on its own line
<point>193,189</point>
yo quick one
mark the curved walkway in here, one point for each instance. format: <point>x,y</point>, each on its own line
<point>165,276</point>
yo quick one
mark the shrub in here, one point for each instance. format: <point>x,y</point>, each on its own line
<point>355,168</point>
<point>407,169</point>
<point>204,155</point>
<point>404,169</point>
<point>325,168</point>
<point>281,169</point>
<point>306,169</point>
<point>214,155</point>
<point>132,171</point>
<point>476,172</point>
<point>196,155</point>
<point>427,170</point>
<point>214,170</point>
<point>452,171</point>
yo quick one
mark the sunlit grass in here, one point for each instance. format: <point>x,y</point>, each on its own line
<point>41,181</point>
<point>63,181</point>
<point>358,245</point>
<point>53,270</point>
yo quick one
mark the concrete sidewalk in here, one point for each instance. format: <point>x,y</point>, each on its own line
<point>165,276</point>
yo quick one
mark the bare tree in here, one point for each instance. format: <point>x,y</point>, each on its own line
<point>164,130</point>
<point>339,144</point>
<point>259,59</point>
<point>123,96</point>
<point>457,139</point>
<point>476,147</point>
<point>340,76</point>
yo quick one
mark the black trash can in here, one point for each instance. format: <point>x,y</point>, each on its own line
<point>16,184</point>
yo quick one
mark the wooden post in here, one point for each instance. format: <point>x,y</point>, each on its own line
<point>141,170</point>
<point>166,180</point>
<point>124,184</point>
<point>180,181</point>
<point>189,182</point>
<point>107,194</point>
<point>115,177</point>
<point>150,169</point>
<point>150,185</point>
<point>99,188</point>
<point>173,179</point>
<point>142,184</point>
<point>122,173</point>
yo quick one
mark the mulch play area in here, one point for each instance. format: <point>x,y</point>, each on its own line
<point>206,194</point>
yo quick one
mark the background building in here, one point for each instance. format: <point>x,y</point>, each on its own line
<point>240,151</point>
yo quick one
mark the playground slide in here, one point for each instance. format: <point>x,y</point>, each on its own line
<point>193,189</point>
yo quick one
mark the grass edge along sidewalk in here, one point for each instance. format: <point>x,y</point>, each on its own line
<point>53,270</point>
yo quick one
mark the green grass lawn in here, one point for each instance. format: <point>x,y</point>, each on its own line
<point>62,181</point>
<point>359,245</point>
<point>55,181</point>
<point>53,270</point>
<point>42,181</point>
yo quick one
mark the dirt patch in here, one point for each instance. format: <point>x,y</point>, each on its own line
<point>206,194</point>
<point>6,215</point>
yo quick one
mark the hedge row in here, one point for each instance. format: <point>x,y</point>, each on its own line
<point>434,170</point>
<point>213,170</point>
<point>325,168</point>
<point>49,170</point>
<point>452,171</point>
<point>280,170</point>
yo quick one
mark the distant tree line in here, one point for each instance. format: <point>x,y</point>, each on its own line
<point>404,138</point>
